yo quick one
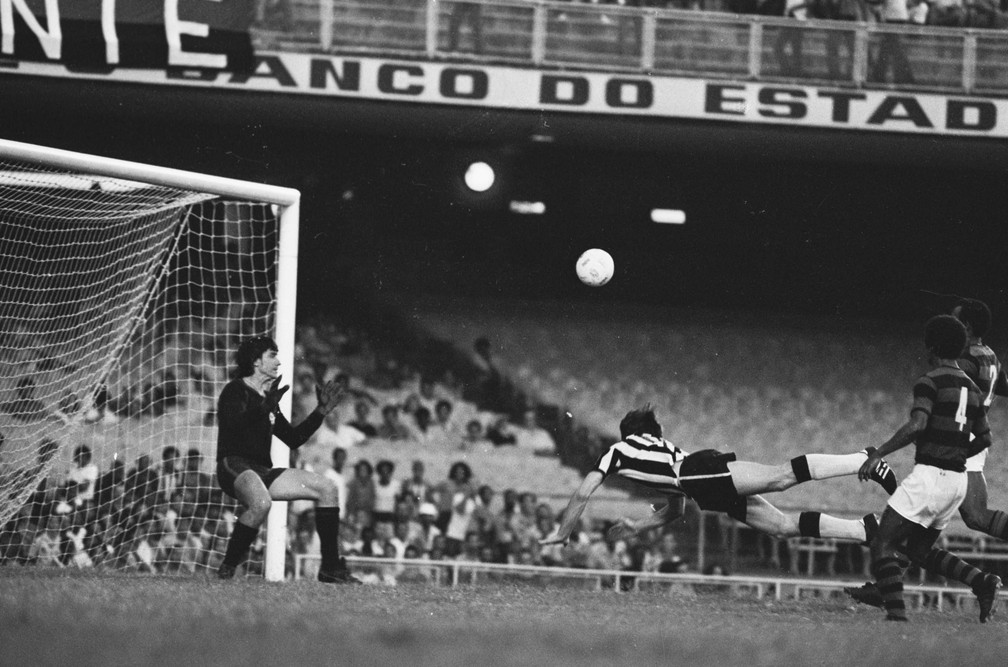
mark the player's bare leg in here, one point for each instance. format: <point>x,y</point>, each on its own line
<point>255,498</point>
<point>751,478</point>
<point>297,484</point>
<point>764,517</point>
<point>975,512</point>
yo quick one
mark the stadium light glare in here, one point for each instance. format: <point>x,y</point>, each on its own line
<point>527,207</point>
<point>479,177</point>
<point>668,216</point>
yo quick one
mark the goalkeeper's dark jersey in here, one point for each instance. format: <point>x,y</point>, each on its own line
<point>245,429</point>
<point>954,408</point>
<point>982,366</point>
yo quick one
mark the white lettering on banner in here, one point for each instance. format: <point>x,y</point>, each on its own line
<point>51,40</point>
<point>500,87</point>
<point>175,28</point>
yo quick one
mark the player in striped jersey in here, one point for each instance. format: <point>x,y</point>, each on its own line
<point>717,482</point>
<point>948,423</point>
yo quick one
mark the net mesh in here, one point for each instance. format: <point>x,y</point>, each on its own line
<point>119,305</point>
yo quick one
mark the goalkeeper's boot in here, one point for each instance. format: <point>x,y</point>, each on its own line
<point>868,594</point>
<point>883,474</point>
<point>225,571</point>
<point>339,575</point>
<point>987,594</point>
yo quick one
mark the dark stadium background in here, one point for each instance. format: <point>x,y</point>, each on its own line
<point>827,223</point>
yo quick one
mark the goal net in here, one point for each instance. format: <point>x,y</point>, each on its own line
<point>124,290</point>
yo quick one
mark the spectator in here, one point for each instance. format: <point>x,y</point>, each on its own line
<point>194,478</point>
<point>891,57</point>
<point>416,487</point>
<point>391,427</point>
<point>458,481</point>
<point>111,483</point>
<point>45,549</point>
<point>473,440</point>
<point>425,532</point>
<point>386,492</point>
<point>471,13</point>
<point>663,556</point>
<point>409,407</point>
<point>317,452</point>
<point>142,480</point>
<point>335,473</point>
<point>503,520</point>
<point>444,430</point>
<point>463,509</point>
<point>170,474</point>
<point>361,422</point>
<point>428,394</point>
<point>420,426</point>
<point>500,432</point>
<point>472,548</point>
<point>361,490</point>
<point>484,520</point>
<point>84,475</point>
<point>535,438</point>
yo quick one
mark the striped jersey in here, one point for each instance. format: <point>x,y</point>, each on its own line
<point>644,459</point>
<point>954,408</point>
<point>982,366</point>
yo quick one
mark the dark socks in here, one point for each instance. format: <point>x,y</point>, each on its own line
<point>241,539</point>
<point>889,575</point>
<point>950,566</point>
<point>327,523</point>
<point>998,526</point>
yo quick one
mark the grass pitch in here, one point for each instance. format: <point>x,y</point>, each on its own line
<point>51,618</point>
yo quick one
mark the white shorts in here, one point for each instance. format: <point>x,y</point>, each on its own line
<point>929,496</point>
<point>976,463</point>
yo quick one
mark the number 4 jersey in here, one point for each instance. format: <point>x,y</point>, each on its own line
<point>955,409</point>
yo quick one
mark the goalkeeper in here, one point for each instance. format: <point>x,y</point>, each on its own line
<point>248,416</point>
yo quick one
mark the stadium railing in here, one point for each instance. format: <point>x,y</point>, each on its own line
<point>710,44</point>
<point>459,572</point>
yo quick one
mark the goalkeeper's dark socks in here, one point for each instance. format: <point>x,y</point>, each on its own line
<point>241,539</point>
<point>889,575</point>
<point>950,566</point>
<point>327,524</point>
<point>998,525</point>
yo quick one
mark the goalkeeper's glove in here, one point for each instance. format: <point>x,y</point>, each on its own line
<point>271,401</point>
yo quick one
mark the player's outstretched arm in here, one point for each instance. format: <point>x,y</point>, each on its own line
<point>665,514</point>
<point>575,506</point>
<point>903,437</point>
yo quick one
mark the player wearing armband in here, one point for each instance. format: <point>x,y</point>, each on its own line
<point>718,482</point>
<point>248,416</point>
<point>948,424</point>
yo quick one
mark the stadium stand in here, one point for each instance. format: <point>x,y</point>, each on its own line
<point>816,42</point>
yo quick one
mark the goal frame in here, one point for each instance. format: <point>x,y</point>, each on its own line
<point>288,201</point>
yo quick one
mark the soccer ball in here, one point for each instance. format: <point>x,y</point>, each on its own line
<point>595,267</point>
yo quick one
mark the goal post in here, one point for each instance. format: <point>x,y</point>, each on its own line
<point>124,290</point>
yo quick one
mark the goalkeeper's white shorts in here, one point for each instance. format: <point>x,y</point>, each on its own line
<point>929,496</point>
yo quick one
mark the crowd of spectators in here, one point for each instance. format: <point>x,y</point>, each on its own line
<point>388,515</point>
<point>172,518</point>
